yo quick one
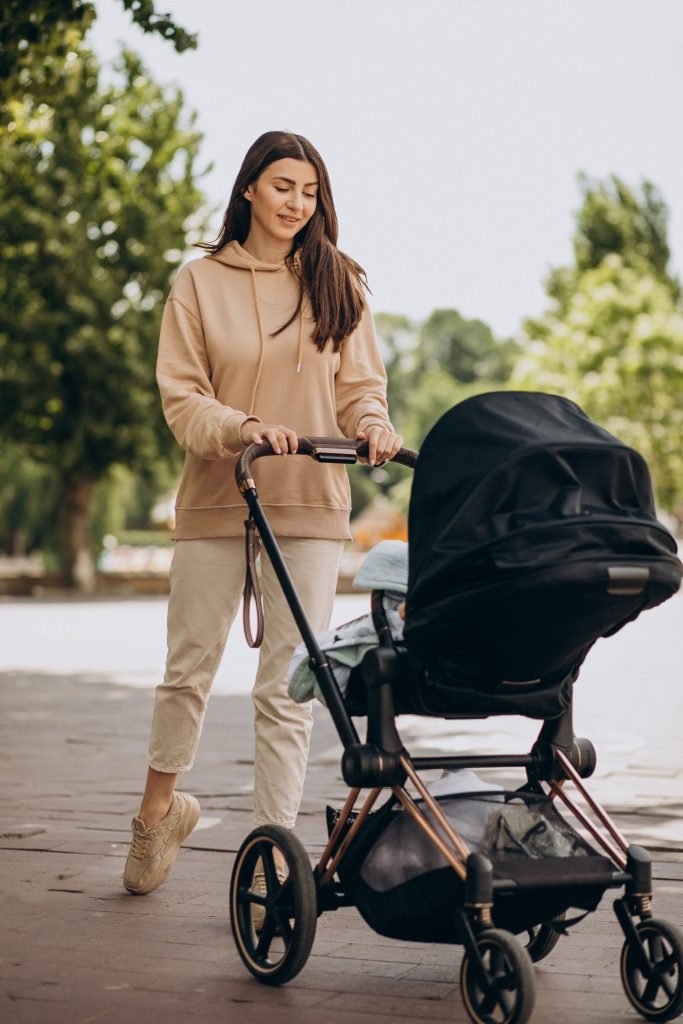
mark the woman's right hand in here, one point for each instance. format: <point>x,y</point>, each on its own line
<point>282,439</point>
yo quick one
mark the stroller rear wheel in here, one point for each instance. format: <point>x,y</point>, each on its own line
<point>504,992</point>
<point>273,904</point>
<point>652,973</point>
<point>542,939</point>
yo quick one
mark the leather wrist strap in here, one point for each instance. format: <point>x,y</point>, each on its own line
<point>252,588</point>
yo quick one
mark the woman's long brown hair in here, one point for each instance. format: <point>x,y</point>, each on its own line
<point>333,282</point>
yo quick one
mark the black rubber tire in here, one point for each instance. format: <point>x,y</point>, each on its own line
<point>278,951</point>
<point>542,939</point>
<point>509,970</point>
<point>659,996</point>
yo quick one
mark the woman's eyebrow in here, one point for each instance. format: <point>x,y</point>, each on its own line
<point>290,181</point>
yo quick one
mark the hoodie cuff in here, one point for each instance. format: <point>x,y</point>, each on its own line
<point>254,419</point>
<point>230,432</point>
<point>367,422</point>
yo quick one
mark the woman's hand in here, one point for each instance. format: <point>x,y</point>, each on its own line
<point>282,439</point>
<point>383,444</point>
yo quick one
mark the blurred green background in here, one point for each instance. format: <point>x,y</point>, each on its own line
<point>102,199</point>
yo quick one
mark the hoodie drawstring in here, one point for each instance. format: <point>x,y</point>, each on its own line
<point>251,584</point>
<point>262,339</point>
<point>300,347</point>
<point>262,349</point>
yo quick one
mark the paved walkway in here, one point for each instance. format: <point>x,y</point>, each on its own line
<point>76,949</point>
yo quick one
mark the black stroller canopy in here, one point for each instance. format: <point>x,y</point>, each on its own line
<point>505,460</point>
<point>520,497</point>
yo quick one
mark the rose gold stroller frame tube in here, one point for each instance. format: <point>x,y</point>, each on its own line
<point>460,847</point>
<point>362,815</point>
<point>598,811</point>
<point>455,854</point>
<point>418,817</point>
<point>616,855</point>
<point>336,831</point>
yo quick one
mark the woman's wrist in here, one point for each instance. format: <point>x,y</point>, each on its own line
<point>244,424</point>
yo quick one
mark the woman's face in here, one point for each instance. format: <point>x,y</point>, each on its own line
<point>283,199</point>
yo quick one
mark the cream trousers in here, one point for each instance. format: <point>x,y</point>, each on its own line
<point>207,577</point>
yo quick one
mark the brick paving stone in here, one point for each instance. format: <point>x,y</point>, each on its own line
<point>76,949</point>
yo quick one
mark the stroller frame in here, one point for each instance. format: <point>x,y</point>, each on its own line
<point>496,975</point>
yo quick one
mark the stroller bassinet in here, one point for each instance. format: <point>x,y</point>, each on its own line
<point>532,533</point>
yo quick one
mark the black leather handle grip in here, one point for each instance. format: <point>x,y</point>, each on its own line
<point>312,446</point>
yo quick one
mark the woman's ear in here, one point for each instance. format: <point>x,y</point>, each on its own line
<point>247,194</point>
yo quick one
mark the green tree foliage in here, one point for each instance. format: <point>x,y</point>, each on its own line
<point>29,503</point>
<point>32,29</point>
<point>397,336</point>
<point>615,219</point>
<point>453,358</point>
<point>431,366</point>
<point>124,499</point>
<point>612,339</point>
<point>435,393</point>
<point>99,195</point>
<point>465,349</point>
<point>436,363</point>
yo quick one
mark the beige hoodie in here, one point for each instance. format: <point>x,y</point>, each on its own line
<point>218,365</point>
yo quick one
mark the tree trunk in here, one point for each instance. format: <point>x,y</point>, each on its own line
<point>77,563</point>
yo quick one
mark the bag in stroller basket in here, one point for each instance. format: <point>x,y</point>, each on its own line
<point>403,886</point>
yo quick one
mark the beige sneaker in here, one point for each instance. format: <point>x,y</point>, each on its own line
<point>259,888</point>
<point>153,850</point>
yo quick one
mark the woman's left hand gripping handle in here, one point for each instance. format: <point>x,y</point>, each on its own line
<point>282,439</point>
<point>383,444</point>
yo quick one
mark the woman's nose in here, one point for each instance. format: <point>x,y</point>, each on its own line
<point>296,201</point>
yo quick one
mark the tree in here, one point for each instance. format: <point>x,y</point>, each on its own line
<point>467,350</point>
<point>397,336</point>
<point>99,196</point>
<point>612,338</point>
<point>445,355</point>
<point>33,29</point>
<point>615,219</point>
<point>435,393</point>
<point>28,503</point>
<point>431,366</point>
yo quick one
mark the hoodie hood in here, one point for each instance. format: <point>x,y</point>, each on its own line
<point>233,255</point>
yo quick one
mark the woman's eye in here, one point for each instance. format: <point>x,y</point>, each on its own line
<point>278,188</point>
<point>309,195</point>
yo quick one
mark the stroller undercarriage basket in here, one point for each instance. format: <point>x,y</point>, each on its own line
<point>405,889</point>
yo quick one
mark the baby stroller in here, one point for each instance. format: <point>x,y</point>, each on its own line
<point>532,533</point>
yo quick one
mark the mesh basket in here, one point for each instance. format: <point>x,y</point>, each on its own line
<point>499,824</point>
<point>404,887</point>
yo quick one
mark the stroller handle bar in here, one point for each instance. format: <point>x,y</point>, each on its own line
<point>322,449</point>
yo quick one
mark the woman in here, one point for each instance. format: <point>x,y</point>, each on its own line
<point>266,337</point>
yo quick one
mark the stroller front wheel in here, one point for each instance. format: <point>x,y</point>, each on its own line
<point>652,972</point>
<point>504,992</point>
<point>273,904</point>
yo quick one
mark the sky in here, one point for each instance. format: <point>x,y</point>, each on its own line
<point>453,130</point>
